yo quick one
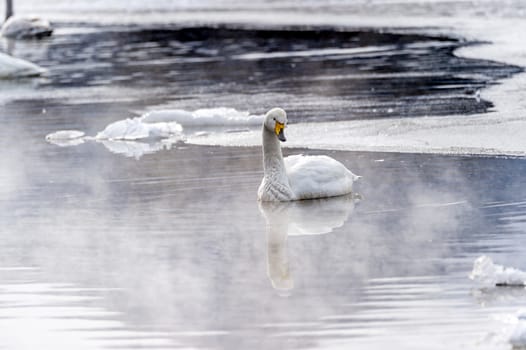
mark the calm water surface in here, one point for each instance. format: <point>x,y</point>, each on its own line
<point>172,250</point>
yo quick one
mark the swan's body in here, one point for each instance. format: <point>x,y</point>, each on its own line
<point>17,27</point>
<point>11,67</point>
<point>297,177</point>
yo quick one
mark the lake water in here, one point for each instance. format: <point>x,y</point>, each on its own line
<point>172,251</point>
<point>164,246</point>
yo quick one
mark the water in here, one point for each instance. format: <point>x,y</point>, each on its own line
<point>168,248</point>
<point>173,251</point>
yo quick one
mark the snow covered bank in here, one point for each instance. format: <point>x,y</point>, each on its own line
<point>496,26</point>
<point>475,135</point>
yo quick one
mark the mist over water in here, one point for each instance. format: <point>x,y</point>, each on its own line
<point>161,244</point>
<point>172,250</point>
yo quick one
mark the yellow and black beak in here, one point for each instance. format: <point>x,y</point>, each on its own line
<point>279,128</point>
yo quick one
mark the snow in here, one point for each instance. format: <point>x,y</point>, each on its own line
<point>518,335</point>
<point>137,129</point>
<point>169,122</point>
<point>158,129</point>
<point>221,116</point>
<point>498,28</point>
<point>489,274</point>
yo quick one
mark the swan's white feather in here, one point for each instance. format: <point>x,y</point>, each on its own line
<point>12,67</point>
<point>317,176</point>
<point>16,27</point>
<point>297,177</point>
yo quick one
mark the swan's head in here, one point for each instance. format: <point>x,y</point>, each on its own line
<point>275,122</point>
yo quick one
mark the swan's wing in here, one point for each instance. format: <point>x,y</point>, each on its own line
<point>318,176</point>
<point>11,67</point>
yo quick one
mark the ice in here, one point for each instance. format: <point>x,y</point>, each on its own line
<point>66,138</point>
<point>165,123</point>
<point>499,30</point>
<point>158,129</point>
<point>518,335</point>
<point>489,274</point>
<point>137,129</point>
<point>136,149</point>
<point>65,135</point>
<point>221,116</point>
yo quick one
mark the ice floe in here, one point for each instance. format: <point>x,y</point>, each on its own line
<point>518,335</point>
<point>221,116</point>
<point>488,274</point>
<point>65,135</point>
<point>65,138</point>
<point>138,129</point>
<point>159,129</point>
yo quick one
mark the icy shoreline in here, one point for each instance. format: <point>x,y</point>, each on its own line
<point>495,27</point>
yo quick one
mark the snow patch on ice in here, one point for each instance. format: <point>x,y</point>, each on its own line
<point>167,123</point>
<point>137,129</point>
<point>221,116</point>
<point>489,274</point>
<point>160,129</point>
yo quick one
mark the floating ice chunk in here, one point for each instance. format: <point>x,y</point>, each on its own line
<point>489,274</point>
<point>161,129</point>
<point>137,149</point>
<point>518,335</point>
<point>169,122</point>
<point>137,129</point>
<point>221,116</point>
<point>64,135</point>
<point>66,138</point>
<point>12,67</point>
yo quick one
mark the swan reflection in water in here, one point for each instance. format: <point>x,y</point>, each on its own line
<point>299,218</point>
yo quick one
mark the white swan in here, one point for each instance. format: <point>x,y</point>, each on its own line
<point>297,177</point>
<point>16,27</point>
<point>12,67</point>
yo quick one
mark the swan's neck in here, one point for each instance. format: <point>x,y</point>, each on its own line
<point>276,182</point>
<point>272,157</point>
<point>8,9</point>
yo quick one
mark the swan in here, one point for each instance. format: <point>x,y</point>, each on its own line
<point>297,177</point>
<point>16,27</point>
<point>12,67</point>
